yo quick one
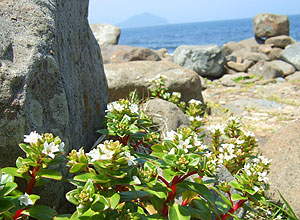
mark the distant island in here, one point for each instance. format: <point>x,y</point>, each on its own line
<point>143,20</point>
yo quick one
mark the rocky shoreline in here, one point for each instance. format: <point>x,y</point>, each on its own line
<point>257,79</point>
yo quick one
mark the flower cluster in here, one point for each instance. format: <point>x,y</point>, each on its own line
<point>194,110</point>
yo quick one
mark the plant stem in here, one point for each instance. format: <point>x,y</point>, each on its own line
<point>187,175</point>
<point>233,209</point>
<point>164,181</point>
<point>135,146</point>
<point>18,213</point>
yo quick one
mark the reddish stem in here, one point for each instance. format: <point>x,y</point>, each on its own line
<point>185,202</point>
<point>233,209</point>
<point>18,213</point>
<point>164,181</point>
<point>135,146</point>
<point>187,175</point>
<point>229,195</point>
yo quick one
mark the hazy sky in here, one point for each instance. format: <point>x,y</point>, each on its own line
<point>181,11</point>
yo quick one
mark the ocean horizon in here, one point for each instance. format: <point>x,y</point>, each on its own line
<point>171,36</point>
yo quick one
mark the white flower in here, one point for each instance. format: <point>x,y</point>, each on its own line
<point>136,180</point>
<point>191,118</point>
<point>239,142</point>
<point>177,94</point>
<point>233,118</point>
<point>195,102</point>
<point>33,137</point>
<point>171,135</point>
<point>256,189</point>
<point>61,147</point>
<point>50,149</point>
<point>249,134</point>
<point>166,95</point>
<point>214,128</point>
<point>184,145</point>
<point>262,177</point>
<point>134,108</point>
<point>130,159</point>
<point>110,107</point>
<point>172,151</point>
<point>264,160</point>
<point>198,118</point>
<point>126,118</point>
<point>94,154</point>
<point>25,200</point>
<point>118,107</point>
<point>80,152</point>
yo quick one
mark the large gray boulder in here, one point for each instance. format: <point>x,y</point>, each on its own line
<point>291,54</point>
<point>106,34</point>
<point>52,77</point>
<point>206,60</point>
<point>287,69</point>
<point>165,115</point>
<point>266,69</point>
<point>284,150</point>
<point>125,77</point>
<point>270,25</point>
<point>126,53</point>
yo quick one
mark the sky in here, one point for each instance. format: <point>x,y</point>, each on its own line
<point>184,11</point>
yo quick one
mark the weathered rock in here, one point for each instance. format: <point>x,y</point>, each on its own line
<point>255,57</point>
<point>126,53</point>
<point>52,79</point>
<point>280,41</point>
<point>275,53</point>
<point>240,67</point>
<point>125,77</point>
<point>106,34</point>
<point>266,70</point>
<point>286,68</point>
<point>165,115</point>
<point>294,77</point>
<point>244,46</point>
<point>284,150</point>
<point>270,25</point>
<point>291,55</point>
<point>228,79</point>
<point>206,60</point>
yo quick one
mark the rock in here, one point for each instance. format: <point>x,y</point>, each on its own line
<point>293,77</point>
<point>52,79</point>
<point>255,57</point>
<point>162,52</point>
<point>270,25</point>
<point>106,34</point>
<point>280,41</point>
<point>291,55</point>
<point>125,77</point>
<point>286,68</point>
<point>238,106</point>
<point>244,47</point>
<point>266,70</point>
<point>228,79</point>
<point>126,53</point>
<point>240,67</point>
<point>165,115</point>
<point>275,53</point>
<point>284,150</point>
<point>206,60</point>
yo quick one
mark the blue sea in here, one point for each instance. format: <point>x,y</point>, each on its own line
<point>200,33</point>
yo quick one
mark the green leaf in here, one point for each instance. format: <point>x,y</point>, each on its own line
<point>222,196</point>
<point>84,177</point>
<point>177,212</point>
<point>34,198</point>
<point>5,205</point>
<point>202,208</point>
<point>158,148</point>
<point>8,188</point>
<point>169,174</point>
<point>291,211</point>
<point>114,200</point>
<point>236,197</point>
<point>49,174</point>
<point>130,195</point>
<point>40,212</point>
<point>12,171</point>
<point>103,131</point>
<point>77,167</point>
<point>235,184</point>
<point>200,189</point>
<point>62,217</point>
<point>170,159</point>
<point>100,203</point>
